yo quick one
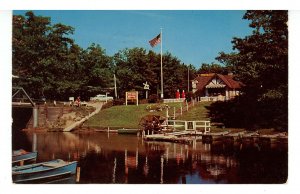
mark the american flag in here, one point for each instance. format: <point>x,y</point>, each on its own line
<point>155,41</point>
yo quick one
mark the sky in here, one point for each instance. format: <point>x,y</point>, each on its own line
<point>194,37</point>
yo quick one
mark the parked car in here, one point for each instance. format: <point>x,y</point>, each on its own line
<point>101,97</point>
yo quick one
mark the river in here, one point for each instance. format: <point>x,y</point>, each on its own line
<point>106,158</point>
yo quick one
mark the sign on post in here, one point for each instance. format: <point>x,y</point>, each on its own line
<point>132,96</point>
<point>146,87</point>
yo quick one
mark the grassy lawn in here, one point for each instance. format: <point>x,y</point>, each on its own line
<point>196,113</point>
<point>124,116</point>
<point>129,116</point>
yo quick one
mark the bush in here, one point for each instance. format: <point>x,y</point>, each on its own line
<point>189,96</point>
<point>153,98</point>
<point>107,105</point>
<point>117,102</point>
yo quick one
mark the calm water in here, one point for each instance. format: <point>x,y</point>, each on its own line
<point>112,158</point>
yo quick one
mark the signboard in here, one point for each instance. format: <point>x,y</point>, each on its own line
<point>132,96</point>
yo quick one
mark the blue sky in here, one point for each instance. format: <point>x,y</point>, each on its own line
<point>194,37</point>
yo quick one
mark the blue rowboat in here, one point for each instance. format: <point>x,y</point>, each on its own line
<point>45,170</point>
<point>22,155</point>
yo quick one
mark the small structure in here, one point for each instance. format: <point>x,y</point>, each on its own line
<point>216,87</point>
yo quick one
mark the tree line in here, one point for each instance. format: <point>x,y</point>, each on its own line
<point>50,64</point>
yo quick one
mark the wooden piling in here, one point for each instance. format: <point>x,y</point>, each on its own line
<point>78,174</point>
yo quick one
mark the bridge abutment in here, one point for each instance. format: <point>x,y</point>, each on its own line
<point>35,116</point>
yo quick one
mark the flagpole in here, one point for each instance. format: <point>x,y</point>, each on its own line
<point>161,67</point>
<point>188,78</point>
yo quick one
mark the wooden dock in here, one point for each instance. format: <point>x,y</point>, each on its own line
<point>190,136</point>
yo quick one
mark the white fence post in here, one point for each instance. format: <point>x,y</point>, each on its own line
<point>174,113</point>
<point>167,112</point>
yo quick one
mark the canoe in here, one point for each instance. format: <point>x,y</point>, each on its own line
<point>45,170</point>
<point>22,155</point>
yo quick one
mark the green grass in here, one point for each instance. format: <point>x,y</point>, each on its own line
<point>129,116</point>
<point>123,116</point>
<point>196,113</point>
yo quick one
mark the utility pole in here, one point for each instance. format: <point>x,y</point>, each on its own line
<point>115,84</point>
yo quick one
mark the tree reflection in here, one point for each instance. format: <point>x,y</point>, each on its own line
<point>128,159</point>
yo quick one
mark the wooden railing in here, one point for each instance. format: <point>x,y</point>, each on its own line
<point>188,125</point>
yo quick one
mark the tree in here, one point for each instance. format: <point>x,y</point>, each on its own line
<point>261,63</point>
<point>212,68</point>
<point>98,70</point>
<point>44,58</point>
<point>51,65</point>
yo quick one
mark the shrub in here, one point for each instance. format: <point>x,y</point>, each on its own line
<point>153,98</point>
<point>117,102</point>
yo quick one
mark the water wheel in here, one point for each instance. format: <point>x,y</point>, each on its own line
<point>150,123</point>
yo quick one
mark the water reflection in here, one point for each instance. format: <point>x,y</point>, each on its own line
<point>119,159</point>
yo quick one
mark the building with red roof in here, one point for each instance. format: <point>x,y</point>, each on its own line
<point>216,87</point>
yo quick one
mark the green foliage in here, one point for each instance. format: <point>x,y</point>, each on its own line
<point>261,63</point>
<point>213,68</point>
<point>135,66</point>
<point>50,64</point>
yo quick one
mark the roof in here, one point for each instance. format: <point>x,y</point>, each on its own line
<point>204,80</point>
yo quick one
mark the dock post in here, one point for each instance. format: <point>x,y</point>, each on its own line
<point>174,113</point>
<point>78,174</point>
